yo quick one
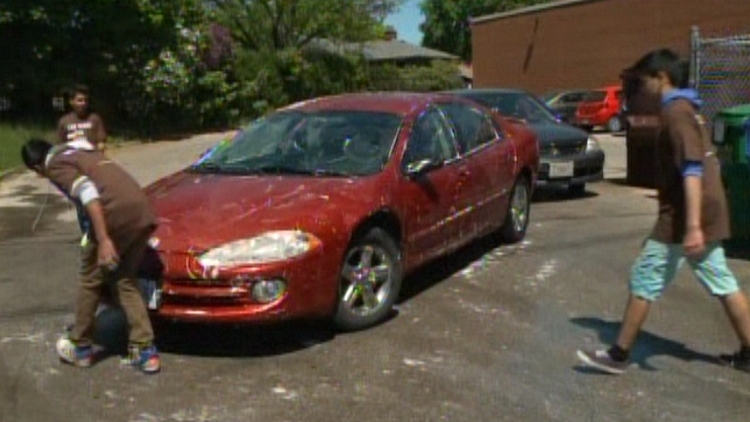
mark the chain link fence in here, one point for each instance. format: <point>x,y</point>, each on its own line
<point>720,71</point>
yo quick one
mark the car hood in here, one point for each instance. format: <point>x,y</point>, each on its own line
<point>200,211</point>
<point>560,134</point>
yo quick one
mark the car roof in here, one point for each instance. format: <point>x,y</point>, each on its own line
<point>488,91</point>
<point>609,88</point>
<point>401,103</point>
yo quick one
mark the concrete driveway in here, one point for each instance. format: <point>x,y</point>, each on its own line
<point>488,334</point>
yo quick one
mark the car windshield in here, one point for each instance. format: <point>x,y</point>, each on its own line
<point>515,104</point>
<point>335,143</point>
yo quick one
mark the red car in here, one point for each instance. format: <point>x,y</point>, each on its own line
<point>601,107</point>
<point>320,209</point>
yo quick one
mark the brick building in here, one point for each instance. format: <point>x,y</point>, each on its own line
<point>586,43</point>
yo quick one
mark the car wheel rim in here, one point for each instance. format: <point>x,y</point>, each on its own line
<point>366,279</point>
<point>520,208</point>
<point>614,125</point>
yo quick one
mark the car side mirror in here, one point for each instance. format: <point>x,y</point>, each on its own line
<point>421,167</point>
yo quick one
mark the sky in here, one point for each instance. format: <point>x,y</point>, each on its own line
<point>406,21</point>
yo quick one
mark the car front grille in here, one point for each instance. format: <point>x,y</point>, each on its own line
<point>201,282</point>
<point>202,300</point>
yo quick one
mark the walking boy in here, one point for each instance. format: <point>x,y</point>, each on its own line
<point>121,225</point>
<point>81,124</point>
<point>693,217</point>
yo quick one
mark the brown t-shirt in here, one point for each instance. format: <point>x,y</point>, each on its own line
<point>127,211</point>
<point>71,128</point>
<point>684,138</point>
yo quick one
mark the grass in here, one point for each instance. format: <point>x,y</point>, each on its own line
<point>13,136</point>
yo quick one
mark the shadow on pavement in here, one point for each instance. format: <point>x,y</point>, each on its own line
<point>738,249</point>
<point>647,346</point>
<point>215,340</point>
<point>558,194</point>
<point>620,181</point>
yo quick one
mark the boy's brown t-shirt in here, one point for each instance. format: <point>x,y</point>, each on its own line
<point>71,127</point>
<point>684,138</point>
<point>127,211</point>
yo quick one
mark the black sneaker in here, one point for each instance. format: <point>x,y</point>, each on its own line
<point>739,360</point>
<point>601,360</point>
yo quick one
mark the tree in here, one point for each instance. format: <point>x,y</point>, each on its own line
<point>282,24</point>
<point>275,66</point>
<point>49,44</point>
<point>151,64</point>
<point>447,22</point>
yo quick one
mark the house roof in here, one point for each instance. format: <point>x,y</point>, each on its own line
<point>383,50</point>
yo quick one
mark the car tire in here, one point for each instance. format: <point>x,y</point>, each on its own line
<point>369,281</point>
<point>578,189</point>
<point>614,125</point>
<point>517,215</point>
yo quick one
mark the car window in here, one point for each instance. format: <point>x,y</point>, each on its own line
<point>430,139</point>
<point>573,97</point>
<point>514,104</point>
<point>596,96</point>
<point>473,127</point>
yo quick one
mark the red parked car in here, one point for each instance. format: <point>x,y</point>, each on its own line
<point>321,208</point>
<point>601,107</point>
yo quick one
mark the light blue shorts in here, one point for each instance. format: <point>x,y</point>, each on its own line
<point>658,264</point>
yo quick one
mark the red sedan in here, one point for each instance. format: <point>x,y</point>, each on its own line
<point>320,209</point>
<point>601,107</point>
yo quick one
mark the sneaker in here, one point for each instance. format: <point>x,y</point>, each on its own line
<point>739,360</point>
<point>80,356</point>
<point>601,360</point>
<point>145,359</point>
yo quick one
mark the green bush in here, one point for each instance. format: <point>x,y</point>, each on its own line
<point>438,76</point>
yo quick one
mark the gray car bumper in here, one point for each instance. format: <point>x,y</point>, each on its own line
<point>588,167</point>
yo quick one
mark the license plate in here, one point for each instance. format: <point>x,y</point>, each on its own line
<point>584,122</point>
<point>151,291</point>
<point>562,169</point>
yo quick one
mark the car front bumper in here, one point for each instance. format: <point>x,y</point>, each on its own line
<point>587,167</point>
<point>192,294</point>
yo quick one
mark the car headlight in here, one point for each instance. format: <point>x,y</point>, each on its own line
<point>268,247</point>
<point>592,145</point>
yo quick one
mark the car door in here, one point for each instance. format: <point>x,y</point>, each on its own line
<point>431,174</point>
<point>486,169</point>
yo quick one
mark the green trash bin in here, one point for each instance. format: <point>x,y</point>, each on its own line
<point>731,134</point>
